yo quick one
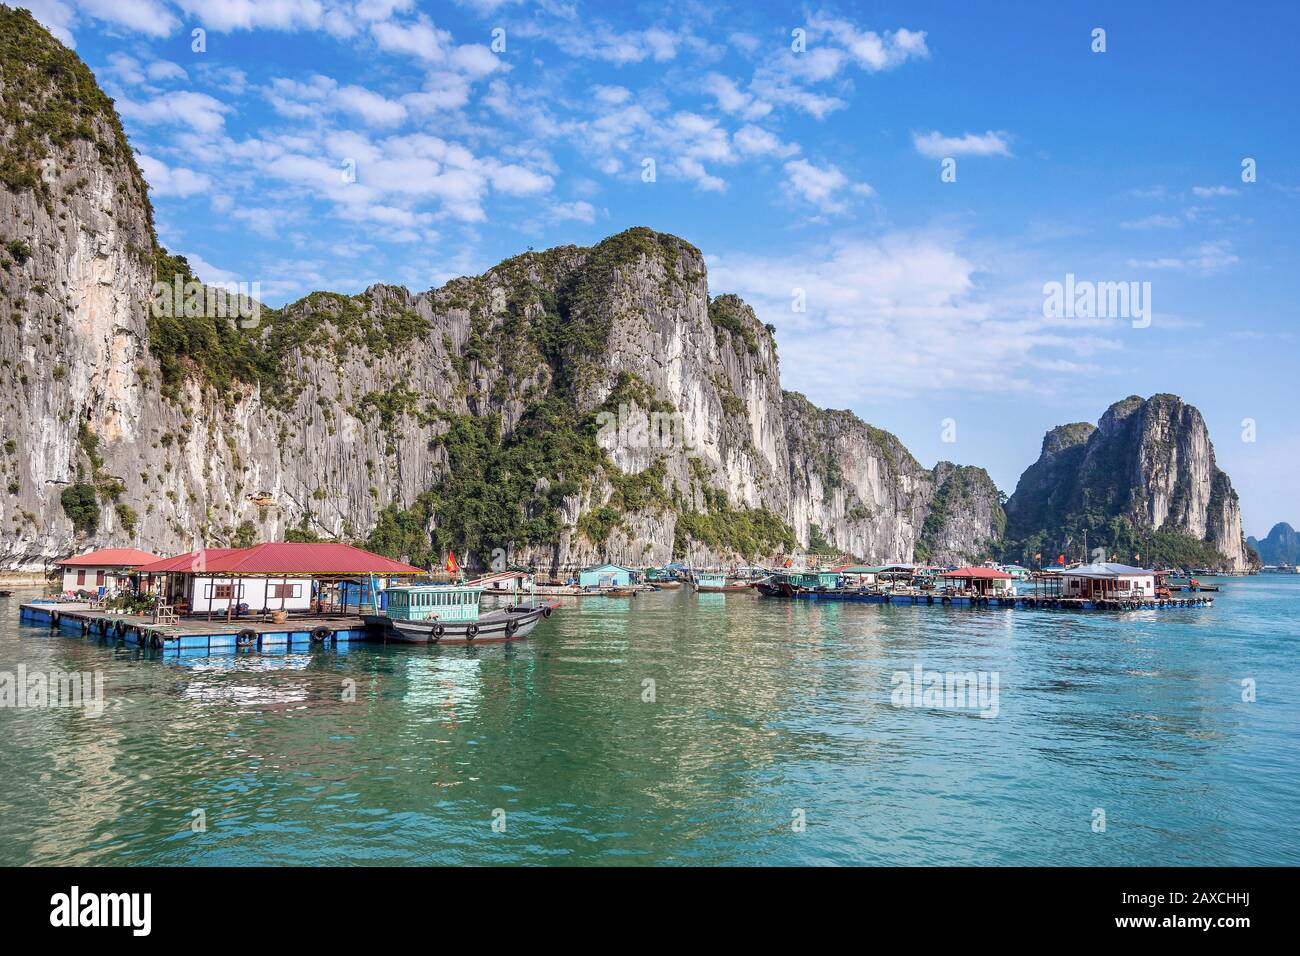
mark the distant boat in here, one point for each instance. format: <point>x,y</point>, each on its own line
<point>718,583</point>
<point>618,592</point>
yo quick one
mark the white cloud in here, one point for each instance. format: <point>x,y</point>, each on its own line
<point>226,16</point>
<point>167,180</point>
<point>937,146</point>
<point>420,39</point>
<point>161,70</point>
<point>199,111</point>
<point>581,211</point>
<point>1204,258</point>
<point>612,95</point>
<point>731,99</point>
<point>150,17</point>
<point>1206,192</point>
<point>1153,222</point>
<point>370,106</point>
<point>872,51</point>
<point>896,316</point>
<point>755,141</point>
<point>519,181</point>
<point>824,187</point>
<point>600,41</point>
<point>321,94</point>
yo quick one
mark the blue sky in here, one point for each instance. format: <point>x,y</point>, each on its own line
<point>815,169</point>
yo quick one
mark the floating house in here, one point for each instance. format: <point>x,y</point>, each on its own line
<point>1017,572</point>
<point>109,569</point>
<point>982,581</point>
<point>813,579</point>
<point>1108,582</point>
<point>605,576</point>
<point>858,575</point>
<point>283,576</point>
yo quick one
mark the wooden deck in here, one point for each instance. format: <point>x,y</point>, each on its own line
<point>197,634</point>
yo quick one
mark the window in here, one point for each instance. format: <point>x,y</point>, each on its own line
<point>222,592</point>
<point>1123,585</point>
<point>81,576</point>
<point>285,590</point>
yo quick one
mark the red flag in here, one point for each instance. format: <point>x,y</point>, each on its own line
<point>1060,559</point>
<point>452,566</point>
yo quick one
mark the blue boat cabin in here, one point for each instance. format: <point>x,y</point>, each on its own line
<point>445,602</point>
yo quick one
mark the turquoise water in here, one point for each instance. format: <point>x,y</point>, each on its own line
<point>762,709</point>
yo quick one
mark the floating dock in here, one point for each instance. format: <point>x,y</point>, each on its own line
<point>1030,602</point>
<point>196,635</point>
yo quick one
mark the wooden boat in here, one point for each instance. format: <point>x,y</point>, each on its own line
<point>449,614</point>
<point>618,592</point>
<point>667,585</point>
<point>718,584</point>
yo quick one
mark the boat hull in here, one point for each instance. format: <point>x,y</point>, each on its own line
<point>513,623</point>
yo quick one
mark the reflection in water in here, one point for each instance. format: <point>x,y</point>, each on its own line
<point>674,728</point>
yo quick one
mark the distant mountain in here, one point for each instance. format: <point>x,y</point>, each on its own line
<point>1282,546</point>
<point>1143,482</point>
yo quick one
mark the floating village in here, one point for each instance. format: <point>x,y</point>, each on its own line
<point>278,596</point>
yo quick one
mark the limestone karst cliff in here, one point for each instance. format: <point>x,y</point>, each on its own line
<point>1142,482</point>
<point>565,406</point>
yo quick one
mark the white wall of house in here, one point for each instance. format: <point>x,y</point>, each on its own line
<point>1136,585</point>
<point>91,579</point>
<point>271,594</point>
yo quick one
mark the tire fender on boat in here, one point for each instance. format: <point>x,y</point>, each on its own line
<point>947,601</point>
<point>321,635</point>
<point>546,611</point>
<point>246,638</point>
<point>438,631</point>
<point>471,632</point>
<point>512,625</point>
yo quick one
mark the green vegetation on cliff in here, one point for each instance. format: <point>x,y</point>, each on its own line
<point>750,533</point>
<point>49,98</point>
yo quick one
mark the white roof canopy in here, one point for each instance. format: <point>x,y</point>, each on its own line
<point>1104,570</point>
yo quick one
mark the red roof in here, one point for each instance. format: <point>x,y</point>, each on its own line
<point>988,573</point>
<point>110,558</point>
<point>305,558</point>
<point>194,561</point>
